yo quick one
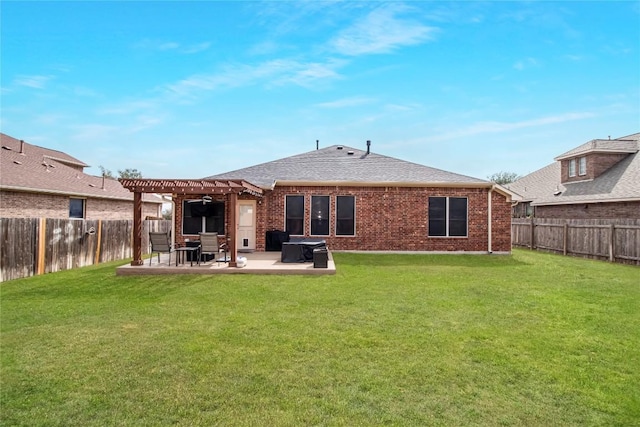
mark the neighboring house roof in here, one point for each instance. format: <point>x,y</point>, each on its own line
<point>620,183</point>
<point>27,167</point>
<point>342,165</point>
<point>625,144</point>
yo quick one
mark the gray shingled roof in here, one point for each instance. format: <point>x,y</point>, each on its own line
<point>347,165</point>
<point>625,144</point>
<point>41,170</point>
<point>620,183</point>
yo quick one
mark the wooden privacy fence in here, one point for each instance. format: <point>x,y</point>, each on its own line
<point>613,240</point>
<point>32,246</point>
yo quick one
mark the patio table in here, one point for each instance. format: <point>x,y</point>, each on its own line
<point>192,250</point>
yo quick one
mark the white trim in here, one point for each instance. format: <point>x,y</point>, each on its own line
<point>577,202</point>
<point>381,184</point>
<point>71,194</point>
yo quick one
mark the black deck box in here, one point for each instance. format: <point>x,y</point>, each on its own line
<point>320,257</point>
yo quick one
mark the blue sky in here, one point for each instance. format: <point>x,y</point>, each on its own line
<point>191,89</point>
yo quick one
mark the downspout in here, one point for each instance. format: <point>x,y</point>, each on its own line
<point>489,221</point>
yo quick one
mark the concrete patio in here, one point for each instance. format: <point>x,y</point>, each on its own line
<point>257,263</point>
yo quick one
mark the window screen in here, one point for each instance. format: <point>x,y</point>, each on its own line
<point>345,216</point>
<point>294,221</point>
<point>320,215</point>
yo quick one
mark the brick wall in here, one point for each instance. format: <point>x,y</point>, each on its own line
<point>32,205</point>
<point>621,210</point>
<point>388,218</point>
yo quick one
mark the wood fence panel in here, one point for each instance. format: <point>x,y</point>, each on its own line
<point>521,232</point>
<point>65,243</point>
<point>116,240</point>
<point>614,240</point>
<point>17,247</point>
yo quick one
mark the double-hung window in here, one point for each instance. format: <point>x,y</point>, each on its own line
<point>582,166</point>
<point>448,216</point>
<point>319,215</point>
<point>198,216</point>
<point>76,208</point>
<point>345,215</point>
<point>572,167</point>
<point>294,215</point>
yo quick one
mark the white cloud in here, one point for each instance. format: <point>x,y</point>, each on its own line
<point>36,82</point>
<point>346,102</point>
<point>500,127</point>
<point>173,46</point>
<point>381,31</point>
<point>195,48</point>
<point>92,132</point>
<point>275,72</point>
<point>525,63</point>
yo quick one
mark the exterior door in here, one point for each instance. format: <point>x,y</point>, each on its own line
<point>246,225</point>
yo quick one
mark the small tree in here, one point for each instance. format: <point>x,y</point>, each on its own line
<point>502,178</point>
<point>130,173</point>
<point>106,172</point>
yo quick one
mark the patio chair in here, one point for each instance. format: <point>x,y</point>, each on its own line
<point>209,246</point>
<point>160,243</point>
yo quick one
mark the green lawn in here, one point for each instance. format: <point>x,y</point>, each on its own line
<point>532,339</point>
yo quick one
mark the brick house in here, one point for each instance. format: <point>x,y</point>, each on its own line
<point>352,199</point>
<point>37,182</point>
<point>599,179</point>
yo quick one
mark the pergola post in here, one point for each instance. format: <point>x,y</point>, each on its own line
<point>233,229</point>
<point>137,228</point>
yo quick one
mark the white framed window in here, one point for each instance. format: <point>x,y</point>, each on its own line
<point>294,215</point>
<point>76,208</point>
<point>448,216</point>
<point>582,166</point>
<point>320,215</point>
<point>572,167</point>
<point>345,216</point>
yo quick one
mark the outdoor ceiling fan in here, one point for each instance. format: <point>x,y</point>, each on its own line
<point>204,200</point>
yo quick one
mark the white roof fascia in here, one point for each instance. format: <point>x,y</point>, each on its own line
<point>68,193</point>
<point>578,202</point>
<point>383,184</point>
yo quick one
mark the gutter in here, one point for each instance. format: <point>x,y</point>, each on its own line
<point>381,184</point>
<point>67,193</point>
<point>574,202</point>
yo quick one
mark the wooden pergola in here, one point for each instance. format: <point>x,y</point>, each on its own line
<point>231,189</point>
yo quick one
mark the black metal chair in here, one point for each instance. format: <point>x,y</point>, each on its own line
<point>209,246</point>
<point>160,243</point>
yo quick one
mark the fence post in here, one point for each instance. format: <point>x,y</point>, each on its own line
<point>42,229</point>
<point>565,238</point>
<point>99,242</point>
<point>533,234</point>
<point>612,230</point>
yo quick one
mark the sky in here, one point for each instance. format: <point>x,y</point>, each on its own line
<point>192,89</point>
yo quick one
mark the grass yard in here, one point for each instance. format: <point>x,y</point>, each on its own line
<point>532,339</point>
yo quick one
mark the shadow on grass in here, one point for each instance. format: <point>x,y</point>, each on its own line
<point>396,260</point>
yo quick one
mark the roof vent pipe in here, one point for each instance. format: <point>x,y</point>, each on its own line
<point>368,146</point>
<point>21,147</point>
<point>317,144</point>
